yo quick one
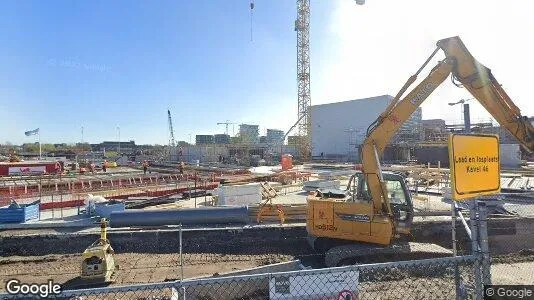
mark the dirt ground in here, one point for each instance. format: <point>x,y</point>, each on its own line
<point>133,267</point>
<point>512,273</point>
<point>144,268</point>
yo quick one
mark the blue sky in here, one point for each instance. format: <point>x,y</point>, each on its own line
<point>99,64</point>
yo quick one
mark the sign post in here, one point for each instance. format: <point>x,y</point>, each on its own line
<point>474,171</point>
<point>474,165</point>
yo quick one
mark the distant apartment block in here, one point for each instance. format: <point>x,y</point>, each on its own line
<point>201,139</point>
<point>249,133</point>
<point>125,147</point>
<point>274,135</point>
<point>221,139</point>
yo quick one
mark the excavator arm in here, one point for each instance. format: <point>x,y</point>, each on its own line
<point>474,76</point>
<point>479,81</point>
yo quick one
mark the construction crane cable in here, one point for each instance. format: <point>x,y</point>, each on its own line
<point>251,15</point>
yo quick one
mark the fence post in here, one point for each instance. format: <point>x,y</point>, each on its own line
<point>40,186</point>
<point>484,245</point>
<point>181,256</point>
<point>473,221</point>
<point>53,205</point>
<point>455,252</point>
<point>61,195</point>
<point>269,284</point>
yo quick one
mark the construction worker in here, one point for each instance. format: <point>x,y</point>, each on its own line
<point>181,167</point>
<point>104,167</point>
<point>145,166</point>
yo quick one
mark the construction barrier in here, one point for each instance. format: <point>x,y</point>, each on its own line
<point>56,192</point>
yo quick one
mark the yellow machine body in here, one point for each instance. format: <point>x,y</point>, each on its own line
<point>347,221</point>
<point>373,213</point>
<point>98,263</point>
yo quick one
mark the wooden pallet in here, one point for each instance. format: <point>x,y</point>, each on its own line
<point>288,208</point>
<point>278,212</point>
<point>295,218</point>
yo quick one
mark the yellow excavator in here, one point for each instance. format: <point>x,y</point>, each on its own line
<point>376,208</point>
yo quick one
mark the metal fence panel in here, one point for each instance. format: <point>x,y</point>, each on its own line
<point>420,279</point>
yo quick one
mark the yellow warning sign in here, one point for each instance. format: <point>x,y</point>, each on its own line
<point>474,164</point>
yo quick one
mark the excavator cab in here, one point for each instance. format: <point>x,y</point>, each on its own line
<point>398,193</point>
<point>348,214</point>
<point>399,196</point>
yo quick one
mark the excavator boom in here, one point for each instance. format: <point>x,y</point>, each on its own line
<point>481,83</point>
<point>378,206</point>
<point>388,124</point>
<point>474,76</point>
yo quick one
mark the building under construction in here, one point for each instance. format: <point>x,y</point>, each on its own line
<point>339,129</point>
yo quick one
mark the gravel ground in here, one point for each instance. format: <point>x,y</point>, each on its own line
<point>513,273</point>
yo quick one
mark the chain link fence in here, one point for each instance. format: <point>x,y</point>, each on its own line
<point>484,255</point>
<point>510,242</point>
<point>441,278</point>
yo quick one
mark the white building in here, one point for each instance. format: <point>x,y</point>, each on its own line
<point>339,128</point>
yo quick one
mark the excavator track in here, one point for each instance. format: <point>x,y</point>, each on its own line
<point>357,253</point>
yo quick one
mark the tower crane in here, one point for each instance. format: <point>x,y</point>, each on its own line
<point>172,142</point>
<point>226,123</point>
<point>302,27</point>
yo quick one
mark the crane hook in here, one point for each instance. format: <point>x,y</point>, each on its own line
<point>251,10</point>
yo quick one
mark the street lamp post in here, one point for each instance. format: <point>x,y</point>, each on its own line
<point>467,116</point>
<point>467,119</point>
<point>119,133</point>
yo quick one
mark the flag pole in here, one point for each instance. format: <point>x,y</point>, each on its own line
<point>39,133</point>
